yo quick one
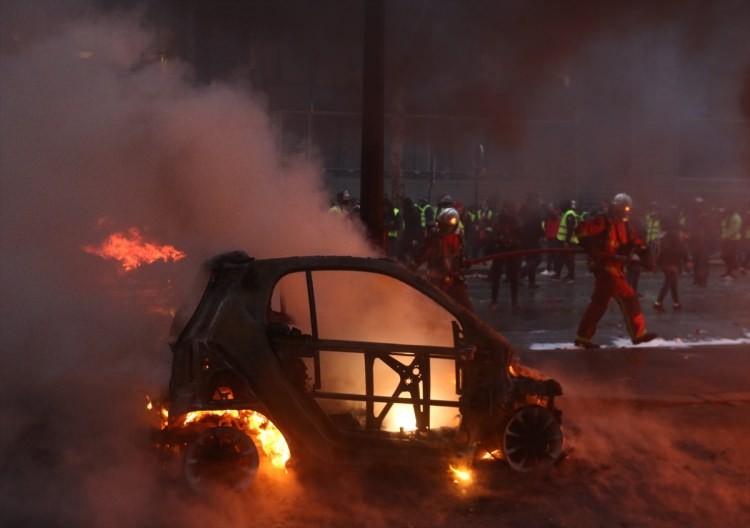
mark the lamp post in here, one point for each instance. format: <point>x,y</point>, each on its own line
<point>373,121</point>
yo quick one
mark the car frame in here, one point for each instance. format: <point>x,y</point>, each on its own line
<point>237,353</point>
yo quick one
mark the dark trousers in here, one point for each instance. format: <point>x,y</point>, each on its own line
<point>392,247</point>
<point>530,266</point>
<point>511,267</point>
<point>634,274</point>
<point>552,257</point>
<point>567,260</point>
<point>669,285</point>
<point>729,251</point>
<point>700,265</point>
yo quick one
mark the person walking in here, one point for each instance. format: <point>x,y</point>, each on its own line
<point>484,221</point>
<point>413,234</point>
<point>700,232</point>
<point>567,239</point>
<point>506,236</point>
<point>670,253</point>
<point>609,240</point>
<point>731,234</point>
<point>551,226</point>
<point>531,236</point>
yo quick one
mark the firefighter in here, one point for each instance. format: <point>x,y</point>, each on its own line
<point>445,202</point>
<point>443,253</point>
<point>610,241</point>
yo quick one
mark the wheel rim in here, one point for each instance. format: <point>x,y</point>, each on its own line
<point>532,438</point>
<point>221,456</point>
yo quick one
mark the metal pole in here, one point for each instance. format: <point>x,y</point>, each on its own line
<point>373,121</point>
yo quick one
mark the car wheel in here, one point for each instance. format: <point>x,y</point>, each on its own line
<point>221,456</point>
<point>532,438</point>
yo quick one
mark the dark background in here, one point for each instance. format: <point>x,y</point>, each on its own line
<point>577,99</point>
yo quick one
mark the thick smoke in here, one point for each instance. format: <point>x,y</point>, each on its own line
<point>95,139</point>
<point>633,95</point>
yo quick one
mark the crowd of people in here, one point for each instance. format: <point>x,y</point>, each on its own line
<point>523,239</point>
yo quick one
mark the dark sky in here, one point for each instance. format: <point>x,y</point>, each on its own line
<point>648,87</point>
<point>456,56</point>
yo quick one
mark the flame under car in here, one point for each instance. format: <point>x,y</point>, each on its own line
<point>353,362</point>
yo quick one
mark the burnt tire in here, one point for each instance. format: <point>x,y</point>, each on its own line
<point>532,439</point>
<point>221,457</point>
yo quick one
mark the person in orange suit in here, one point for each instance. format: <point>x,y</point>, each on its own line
<point>611,242</point>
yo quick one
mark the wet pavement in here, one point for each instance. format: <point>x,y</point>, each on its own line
<point>548,316</point>
<point>699,358</point>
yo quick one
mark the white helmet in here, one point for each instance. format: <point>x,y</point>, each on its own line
<point>448,220</point>
<point>622,204</point>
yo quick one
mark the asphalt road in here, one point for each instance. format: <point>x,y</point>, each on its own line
<point>548,316</point>
<point>700,357</point>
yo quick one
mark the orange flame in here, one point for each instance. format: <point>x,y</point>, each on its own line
<point>461,475</point>
<point>132,251</point>
<point>255,425</point>
<point>161,412</point>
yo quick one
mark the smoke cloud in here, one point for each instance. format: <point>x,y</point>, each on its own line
<point>95,140</point>
<point>601,96</point>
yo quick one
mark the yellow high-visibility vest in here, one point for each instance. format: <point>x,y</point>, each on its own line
<point>562,231</point>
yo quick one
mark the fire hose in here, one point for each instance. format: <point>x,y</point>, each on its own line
<point>523,253</point>
<point>544,251</point>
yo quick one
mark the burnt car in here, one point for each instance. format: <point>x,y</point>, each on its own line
<point>356,362</point>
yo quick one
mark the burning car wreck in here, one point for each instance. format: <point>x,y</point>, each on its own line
<point>351,361</point>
